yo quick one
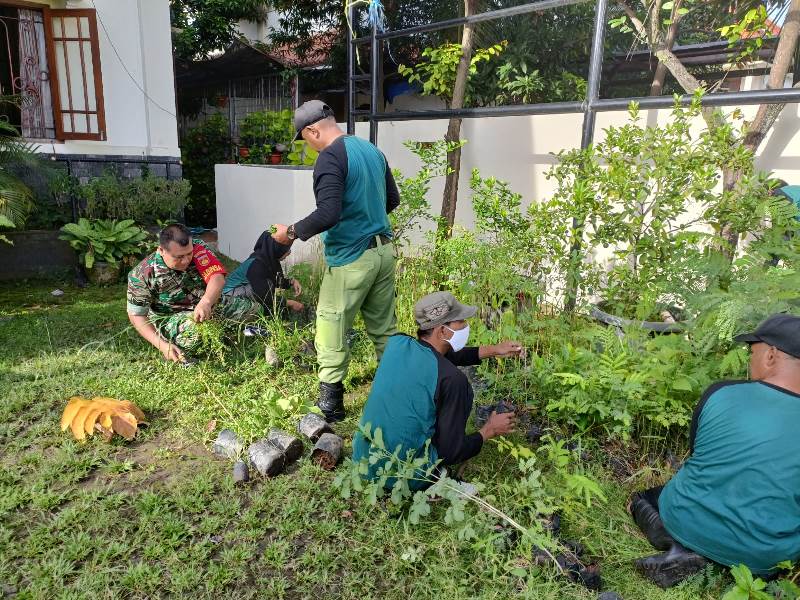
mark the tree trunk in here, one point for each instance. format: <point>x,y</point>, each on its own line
<point>450,197</point>
<point>784,54</point>
<point>657,87</point>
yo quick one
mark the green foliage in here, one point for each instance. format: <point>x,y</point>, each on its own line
<point>635,384</point>
<point>746,587</point>
<point>752,28</point>
<point>16,198</point>
<point>300,153</point>
<point>414,209</point>
<point>205,146</point>
<point>646,198</point>
<point>147,200</point>
<point>437,73</point>
<point>561,485</point>
<point>202,26</point>
<point>496,207</point>
<point>267,127</point>
<point>104,240</point>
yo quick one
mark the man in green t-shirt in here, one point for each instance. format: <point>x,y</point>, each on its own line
<point>737,497</point>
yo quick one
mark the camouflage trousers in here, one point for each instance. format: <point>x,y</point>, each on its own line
<point>233,309</point>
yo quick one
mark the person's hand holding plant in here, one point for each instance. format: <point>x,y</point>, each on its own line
<point>498,425</point>
<point>295,305</point>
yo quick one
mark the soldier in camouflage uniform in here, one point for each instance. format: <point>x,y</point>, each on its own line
<point>178,286</point>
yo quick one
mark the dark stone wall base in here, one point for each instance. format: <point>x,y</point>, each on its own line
<point>35,254</point>
<point>88,166</point>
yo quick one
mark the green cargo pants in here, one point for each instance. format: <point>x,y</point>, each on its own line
<point>365,285</point>
<point>181,330</point>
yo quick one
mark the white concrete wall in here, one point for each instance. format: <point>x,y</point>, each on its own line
<point>252,198</point>
<point>516,149</point>
<point>139,103</point>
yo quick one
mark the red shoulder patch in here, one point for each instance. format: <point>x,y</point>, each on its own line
<point>206,263</point>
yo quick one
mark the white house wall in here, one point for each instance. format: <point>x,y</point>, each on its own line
<point>519,150</point>
<point>135,52</point>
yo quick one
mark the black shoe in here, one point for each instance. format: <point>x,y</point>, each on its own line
<point>671,567</point>
<point>649,521</point>
<point>331,401</point>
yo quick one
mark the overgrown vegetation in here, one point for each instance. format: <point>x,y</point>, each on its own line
<point>147,200</point>
<point>605,408</point>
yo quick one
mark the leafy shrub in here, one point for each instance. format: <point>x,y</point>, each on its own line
<point>203,147</point>
<point>300,153</point>
<point>267,127</point>
<point>104,240</point>
<point>147,200</point>
<point>414,208</point>
<point>649,198</point>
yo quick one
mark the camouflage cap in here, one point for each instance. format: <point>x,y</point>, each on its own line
<point>439,308</point>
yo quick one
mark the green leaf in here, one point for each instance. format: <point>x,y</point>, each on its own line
<point>737,593</point>
<point>682,383</point>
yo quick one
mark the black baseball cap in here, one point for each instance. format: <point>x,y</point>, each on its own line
<point>309,113</point>
<point>781,331</point>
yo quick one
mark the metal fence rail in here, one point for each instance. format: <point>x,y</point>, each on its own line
<point>589,106</point>
<point>236,98</point>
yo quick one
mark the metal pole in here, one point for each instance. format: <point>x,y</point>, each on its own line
<point>351,84</point>
<point>491,15</point>
<point>595,72</point>
<point>767,96</point>
<point>374,71</point>
<point>592,95</point>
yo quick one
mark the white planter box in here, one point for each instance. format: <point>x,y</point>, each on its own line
<point>252,198</point>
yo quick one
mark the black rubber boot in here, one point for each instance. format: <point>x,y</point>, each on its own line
<point>649,521</point>
<point>671,567</point>
<point>331,401</point>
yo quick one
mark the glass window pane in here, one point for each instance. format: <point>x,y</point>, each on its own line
<point>66,122</point>
<point>81,125</point>
<point>76,76</point>
<point>61,71</point>
<point>93,128</point>
<point>85,28</point>
<point>89,71</point>
<point>70,27</point>
<point>56,27</point>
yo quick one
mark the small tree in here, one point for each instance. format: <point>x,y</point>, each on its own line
<point>648,24</point>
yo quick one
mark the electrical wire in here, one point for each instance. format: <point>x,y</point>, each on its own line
<point>125,68</point>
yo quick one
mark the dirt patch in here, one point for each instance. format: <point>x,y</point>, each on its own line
<point>159,461</point>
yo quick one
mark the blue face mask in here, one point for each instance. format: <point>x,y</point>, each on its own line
<point>459,339</point>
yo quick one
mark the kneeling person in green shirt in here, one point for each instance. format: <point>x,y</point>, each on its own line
<point>418,393</point>
<point>737,497</point>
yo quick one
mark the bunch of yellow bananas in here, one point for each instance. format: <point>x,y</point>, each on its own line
<point>106,415</point>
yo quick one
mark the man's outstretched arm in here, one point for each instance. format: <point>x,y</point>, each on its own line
<point>204,308</point>
<point>143,326</point>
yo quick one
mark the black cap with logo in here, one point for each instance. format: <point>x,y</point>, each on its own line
<point>781,331</point>
<point>309,113</point>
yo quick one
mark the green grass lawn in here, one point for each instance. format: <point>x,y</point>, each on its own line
<point>160,517</point>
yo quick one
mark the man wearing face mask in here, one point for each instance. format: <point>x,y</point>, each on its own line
<point>736,498</point>
<point>419,394</point>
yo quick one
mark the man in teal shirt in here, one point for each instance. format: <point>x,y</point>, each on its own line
<point>737,497</point>
<point>420,400</point>
<point>355,192</point>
